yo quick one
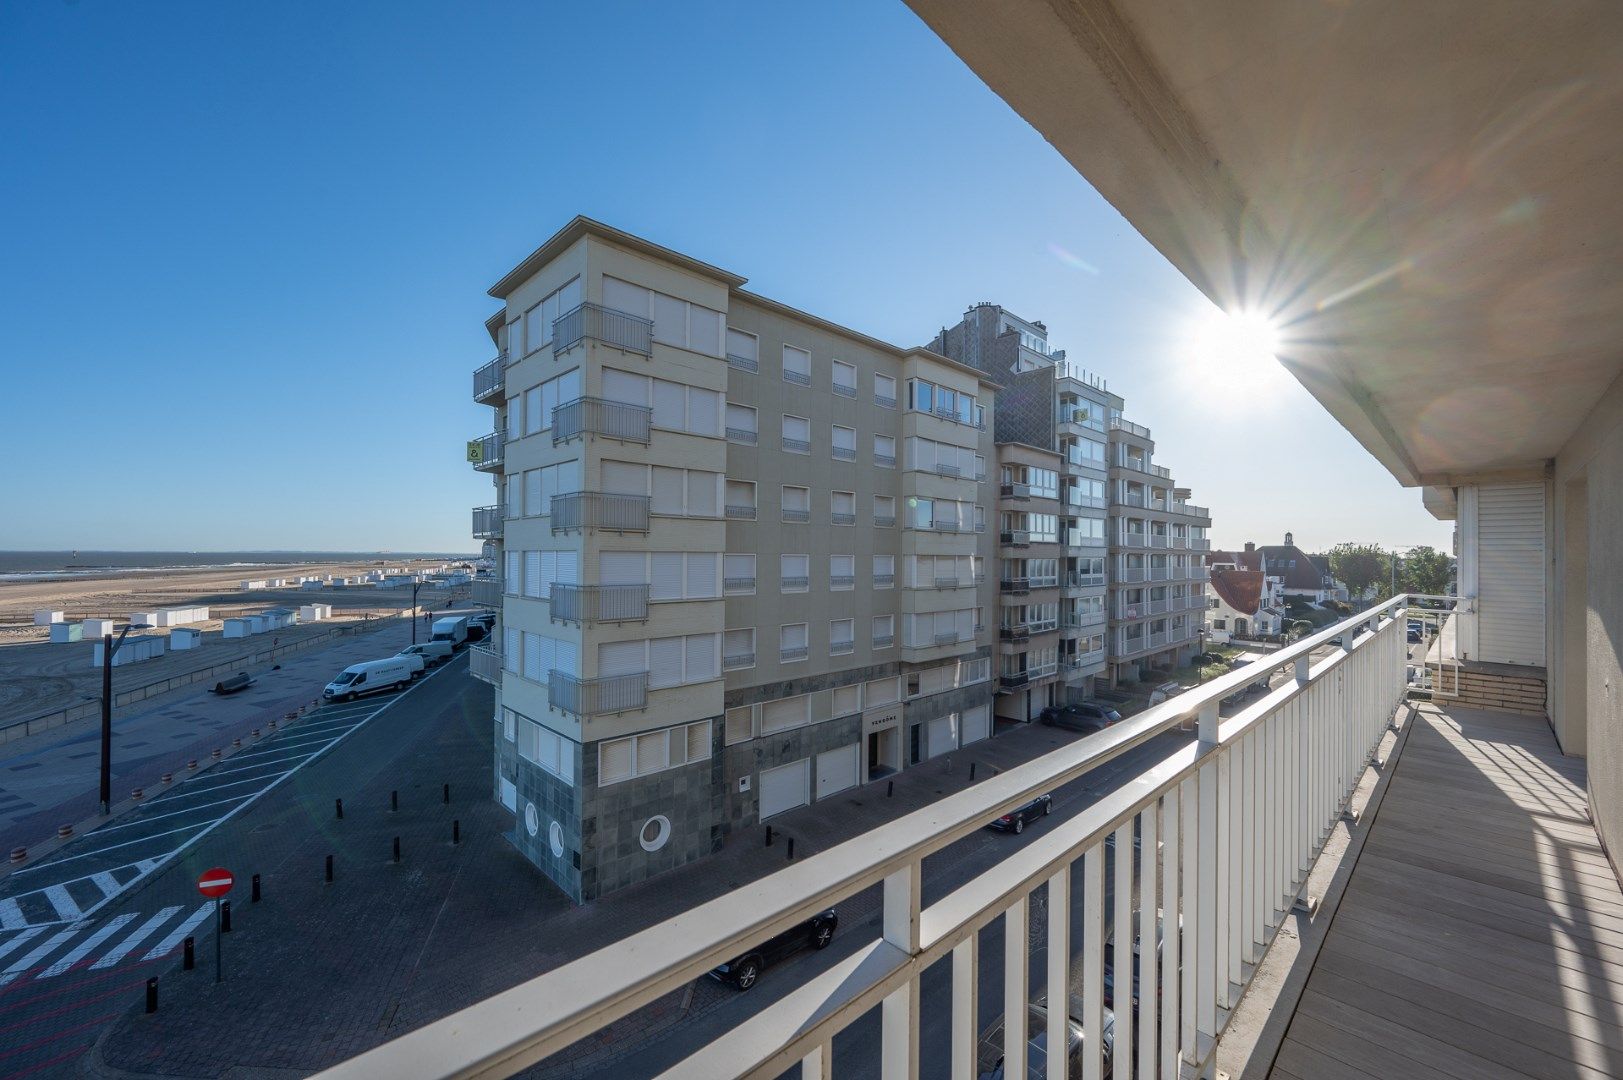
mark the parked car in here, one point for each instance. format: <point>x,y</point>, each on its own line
<point>432,652</point>
<point>1098,712</point>
<point>1015,820</point>
<point>1166,690</point>
<point>1109,962</point>
<point>1072,716</point>
<point>369,677</point>
<point>479,626</point>
<point>418,663</point>
<point>744,971</point>
<point>989,1051</point>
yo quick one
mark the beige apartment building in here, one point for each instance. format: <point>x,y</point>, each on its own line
<point>742,555</point>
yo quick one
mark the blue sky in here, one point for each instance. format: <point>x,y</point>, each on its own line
<point>247,249</point>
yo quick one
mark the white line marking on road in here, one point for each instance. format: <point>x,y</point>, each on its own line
<point>11,946</point>
<point>63,903</point>
<point>168,944</point>
<point>98,851</point>
<point>144,931</point>
<point>159,817</point>
<point>39,954</point>
<point>83,948</point>
<point>11,916</point>
<point>107,883</point>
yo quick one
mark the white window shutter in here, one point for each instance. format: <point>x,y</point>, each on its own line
<point>613,758</point>
<point>701,575</point>
<point>625,387</point>
<point>624,296</point>
<point>623,568</point>
<point>702,493</point>
<point>665,662</point>
<point>666,577</point>
<point>624,478</point>
<point>621,658</point>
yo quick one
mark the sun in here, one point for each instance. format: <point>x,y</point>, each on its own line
<point>1231,355</point>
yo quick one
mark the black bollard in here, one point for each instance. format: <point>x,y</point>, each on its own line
<point>255,896</point>
<point>329,869</point>
<point>791,849</point>
<point>188,957</point>
<point>152,994</point>
<point>769,836</point>
<point>225,916</point>
<point>447,794</point>
<point>890,788</point>
<point>394,801</point>
<point>972,772</point>
<point>340,805</point>
<point>456,831</point>
<point>397,849</point>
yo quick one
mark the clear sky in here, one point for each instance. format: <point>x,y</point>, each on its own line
<point>246,249</point>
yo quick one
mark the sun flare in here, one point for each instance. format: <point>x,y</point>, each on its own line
<point>1231,355</point>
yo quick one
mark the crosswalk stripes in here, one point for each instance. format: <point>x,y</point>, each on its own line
<point>125,947</point>
<point>168,944</point>
<point>40,952</point>
<point>29,947</point>
<point>17,942</point>
<point>84,948</point>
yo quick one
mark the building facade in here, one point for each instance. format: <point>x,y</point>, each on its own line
<point>743,556</point>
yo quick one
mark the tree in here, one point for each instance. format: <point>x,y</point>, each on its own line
<point>1425,570</point>
<point>1358,566</point>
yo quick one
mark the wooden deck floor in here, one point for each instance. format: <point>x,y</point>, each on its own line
<point>1481,934</point>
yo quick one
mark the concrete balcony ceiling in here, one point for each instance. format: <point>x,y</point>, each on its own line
<point>1420,197</point>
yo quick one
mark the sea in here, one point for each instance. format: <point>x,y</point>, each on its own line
<point>17,566</point>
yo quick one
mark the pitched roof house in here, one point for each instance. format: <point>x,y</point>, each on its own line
<point>1241,605</point>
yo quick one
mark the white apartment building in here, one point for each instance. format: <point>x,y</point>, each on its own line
<point>742,550</point>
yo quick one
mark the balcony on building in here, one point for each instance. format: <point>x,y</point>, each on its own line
<point>488,521</point>
<point>486,591</point>
<point>487,452</point>
<point>490,382</point>
<point>594,322</point>
<point>485,664</point>
<point>1127,427</point>
<point>602,696</point>
<point>599,416</point>
<point>599,603</point>
<point>599,511</point>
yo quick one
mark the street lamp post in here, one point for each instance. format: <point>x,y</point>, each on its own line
<point>414,587</point>
<point>109,648</point>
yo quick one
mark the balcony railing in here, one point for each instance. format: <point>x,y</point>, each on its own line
<point>884,581</point>
<point>743,363</point>
<point>1159,573</point>
<point>487,521</point>
<point>799,517</point>
<point>609,512</point>
<point>948,470</point>
<point>747,436</point>
<point>1016,585</point>
<point>946,637</point>
<point>1133,498</point>
<point>796,377</point>
<point>598,323</point>
<point>796,446</point>
<point>885,461</point>
<point>1118,424</point>
<point>735,661</point>
<point>1014,632</point>
<point>597,697</point>
<point>599,603</point>
<point>1015,491</point>
<point>884,521</point>
<point>487,451</point>
<point>841,582</point>
<point>844,453</point>
<point>490,382</point>
<point>1015,537</point>
<point>485,664</point>
<point>790,655</point>
<point>844,390</point>
<point>599,416</point>
<point>884,641</point>
<point>1159,470</point>
<point>1131,574</point>
<point>486,592</point>
<point>741,513</point>
<point>1075,579</point>
<point>794,584</point>
<point>1224,860</point>
<point>841,648</point>
<point>1013,681</point>
<point>884,402</point>
<point>839,518</point>
<point>738,586</point>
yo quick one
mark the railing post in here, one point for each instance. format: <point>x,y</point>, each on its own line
<point>899,1049</point>
<point>966,964</point>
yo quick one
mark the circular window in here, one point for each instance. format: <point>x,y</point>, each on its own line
<point>532,821</point>
<point>556,835</point>
<point>655,831</point>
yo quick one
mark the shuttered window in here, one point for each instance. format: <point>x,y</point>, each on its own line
<point>668,485</point>
<point>783,715</point>
<point>848,699</point>
<point>797,361</point>
<point>670,405</point>
<point>665,662</point>
<point>613,761</point>
<point>622,568</point>
<point>532,573</point>
<point>624,478</point>
<point>702,494</point>
<point>625,386</point>
<point>701,576</point>
<point>621,657</point>
<point>665,575</point>
<point>702,663</point>
<point>742,345</point>
<point>704,411</point>
<point>626,297</point>
<point>740,724</point>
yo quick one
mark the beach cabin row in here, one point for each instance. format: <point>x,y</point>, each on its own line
<point>134,650</point>
<point>179,616</point>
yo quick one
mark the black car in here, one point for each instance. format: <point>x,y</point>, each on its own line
<point>989,1051</point>
<point>1015,820</point>
<point>1075,717</point>
<point>1098,712</point>
<point>745,971</point>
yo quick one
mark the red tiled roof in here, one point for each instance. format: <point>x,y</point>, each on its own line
<point>1245,560</point>
<point>1239,589</point>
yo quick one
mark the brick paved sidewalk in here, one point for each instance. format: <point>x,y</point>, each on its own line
<point>318,973</point>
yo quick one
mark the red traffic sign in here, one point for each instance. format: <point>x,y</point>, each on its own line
<point>216,882</point>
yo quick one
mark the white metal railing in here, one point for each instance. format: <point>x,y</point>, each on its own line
<point>604,510</point>
<point>599,603</point>
<point>488,521</point>
<point>597,697</point>
<point>633,333</point>
<point>1228,825</point>
<point>600,416</point>
<point>490,381</point>
<point>485,664</point>
<point>486,592</point>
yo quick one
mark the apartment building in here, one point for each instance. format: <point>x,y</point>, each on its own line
<point>1101,576</point>
<point>743,555</point>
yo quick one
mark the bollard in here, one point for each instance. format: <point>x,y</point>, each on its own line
<point>339,803</point>
<point>18,854</point>
<point>152,994</point>
<point>255,897</point>
<point>329,869</point>
<point>769,836</point>
<point>791,849</point>
<point>890,788</point>
<point>192,764</point>
<point>236,742</point>
<point>64,831</point>
<point>972,772</point>
<point>254,733</point>
<point>218,752</point>
<point>394,801</point>
<point>397,849</point>
<point>447,795</point>
<point>225,916</point>
<point>168,777</point>
<point>456,831</point>
<point>188,956</point>
<point>136,793</point>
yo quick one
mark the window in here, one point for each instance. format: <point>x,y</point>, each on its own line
<point>794,573</point>
<point>543,569</point>
<point>842,573</point>
<point>675,406</point>
<point>848,700</point>
<point>845,443</point>
<point>882,692</point>
<point>738,574</point>
<point>884,571</point>
<point>884,631</point>
<point>923,630</point>
<point>927,455</point>
<point>843,507</point>
<point>513,578</point>
<point>652,752</point>
<point>743,424</point>
<point>942,401</point>
<point>676,322</point>
<point>884,511</point>
<point>669,575</point>
<point>1219,624</point>
<point>542,746</point>
<point>796,434</point>
<point>741,499</point>
<point>884,391</point>
<point>738,649</point>
<point>675,492</point>
<point>538,320</point>
<point>796,365</point>
<point>743,350</point>
<point>845,379</point>
<point>796,503</point>
<point>539,401</point>
<point>792,643</point>
<point>785,714</point>
<point>540,485</point>
<point>542,654</point>
<point>669,661</point>
<point>740,725</point>
<point>841,637</point>
<point>884,451</point>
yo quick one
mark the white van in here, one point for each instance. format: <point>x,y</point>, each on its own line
<point>453,629</point>
<point>432,652</point>
<point>369,677</point>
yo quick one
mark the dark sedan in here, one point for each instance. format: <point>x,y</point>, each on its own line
<point>744,971</point>
<point>989,1050</point>
<point>1015,820</point>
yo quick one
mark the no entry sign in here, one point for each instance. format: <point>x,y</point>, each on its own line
<point>216,882</point>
